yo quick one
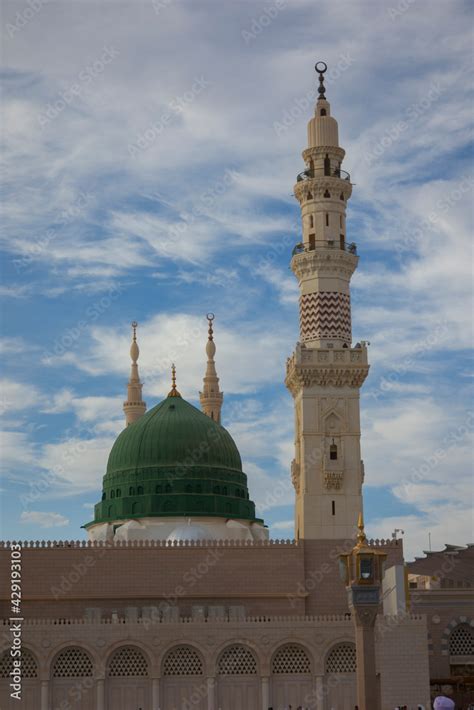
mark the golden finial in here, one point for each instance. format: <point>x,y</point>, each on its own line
<point>174,392</point>
<point>361,536</point>
<point>210,317</point>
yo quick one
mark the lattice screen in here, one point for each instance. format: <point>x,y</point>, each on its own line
<point>237,660</point>
<point>342,659</point>
<point>461,641</point>
<point>72,663</point>
<point>29,667</point>
<point>291,659</point>
<point>128,661</point>
<point>182,660</point>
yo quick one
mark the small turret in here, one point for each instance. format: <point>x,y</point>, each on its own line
<point>134,407</point>
<point>211,397</point>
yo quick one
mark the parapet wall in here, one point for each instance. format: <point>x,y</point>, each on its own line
<point>275,577</point>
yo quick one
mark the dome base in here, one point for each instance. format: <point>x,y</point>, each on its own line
<point>178,529</point>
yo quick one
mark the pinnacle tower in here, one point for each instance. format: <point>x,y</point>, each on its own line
<point>211,397</point>
<point>134,407</point>
<point>325,372</point>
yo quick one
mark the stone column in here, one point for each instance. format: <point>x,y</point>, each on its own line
<point>265,693</point>
<point>368,696</point>
<point>100,694</point>
<point>155,694</point>
<point>211,693</point>
<point>45,695</point>
<point>318,703</point>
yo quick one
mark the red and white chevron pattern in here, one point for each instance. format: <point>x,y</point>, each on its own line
<point>325,314</point>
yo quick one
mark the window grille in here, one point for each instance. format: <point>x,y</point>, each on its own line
<point>237,660</point>
<point>291,659</point>
<point>29,667</point>
<point>128,661</point>
<point>342,659</point>
<point>72,663</point>
<point>461,641</point>
<point>183,660</point>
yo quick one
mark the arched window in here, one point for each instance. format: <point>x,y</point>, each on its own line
<point>217,489</point>
<point>128,661</point>
<point>72,663</point>
<point>322,112</point>
<point>327,194</point>
<point>29,666</point>
<point>342,659</point>
<point>237,660</point>
<point>461,641</point>
<point>333,452</point>
<point>183,660</point>
<point>112,494</point>
<point>311,221</point>
<point>168,488</point>
<point>291,659</point>
<point>140,490</point>
<point>310,196</point>
<point>327,217</point>
<point>341,196</point>
<point>103,496</point>
<point>136,508</point>
<point>159,489</point>
<point>327,165</point>
<point>118,492</point>
<point>110,513</point>
<point>131,491</point>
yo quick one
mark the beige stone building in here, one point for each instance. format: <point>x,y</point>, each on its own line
<point>178,599</point>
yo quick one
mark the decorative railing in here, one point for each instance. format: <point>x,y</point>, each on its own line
<point>338,173</point>
<point>321,619</point>
<point>351,247</point>
<point>75,544</point>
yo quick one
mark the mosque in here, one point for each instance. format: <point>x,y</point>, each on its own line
<point>178,599</point>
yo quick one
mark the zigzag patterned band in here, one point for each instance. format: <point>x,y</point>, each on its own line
<point>326,314</point>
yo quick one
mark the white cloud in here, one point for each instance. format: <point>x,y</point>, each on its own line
<point>17,396</point>
<point>44,520</point>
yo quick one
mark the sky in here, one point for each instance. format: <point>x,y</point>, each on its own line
<point>149,154</point>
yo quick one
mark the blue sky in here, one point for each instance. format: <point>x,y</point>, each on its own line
<point>150,152</point>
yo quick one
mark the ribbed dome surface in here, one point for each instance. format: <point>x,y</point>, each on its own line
<point>174,462</point>
<point>173,433</point>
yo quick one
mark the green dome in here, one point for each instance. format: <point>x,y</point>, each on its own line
<point>174,461</point>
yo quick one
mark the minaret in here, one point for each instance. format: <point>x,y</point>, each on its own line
<point>134,407</point>
<point>211,397</point>
<point>325,372</point>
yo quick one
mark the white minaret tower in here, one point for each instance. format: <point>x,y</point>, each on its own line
<point>211,397</point>
<point>134,407</point>
<point>325,373</point>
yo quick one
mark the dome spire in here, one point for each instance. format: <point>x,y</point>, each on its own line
<point>211,397</point>
<point>321,68</point>
<point>134,407</point>
<point>173,392</point>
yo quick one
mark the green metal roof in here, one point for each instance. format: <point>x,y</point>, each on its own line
<point>174,461</point>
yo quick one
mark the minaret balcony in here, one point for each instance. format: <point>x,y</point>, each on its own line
<point>309,175</point>
<point>300,248</point>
